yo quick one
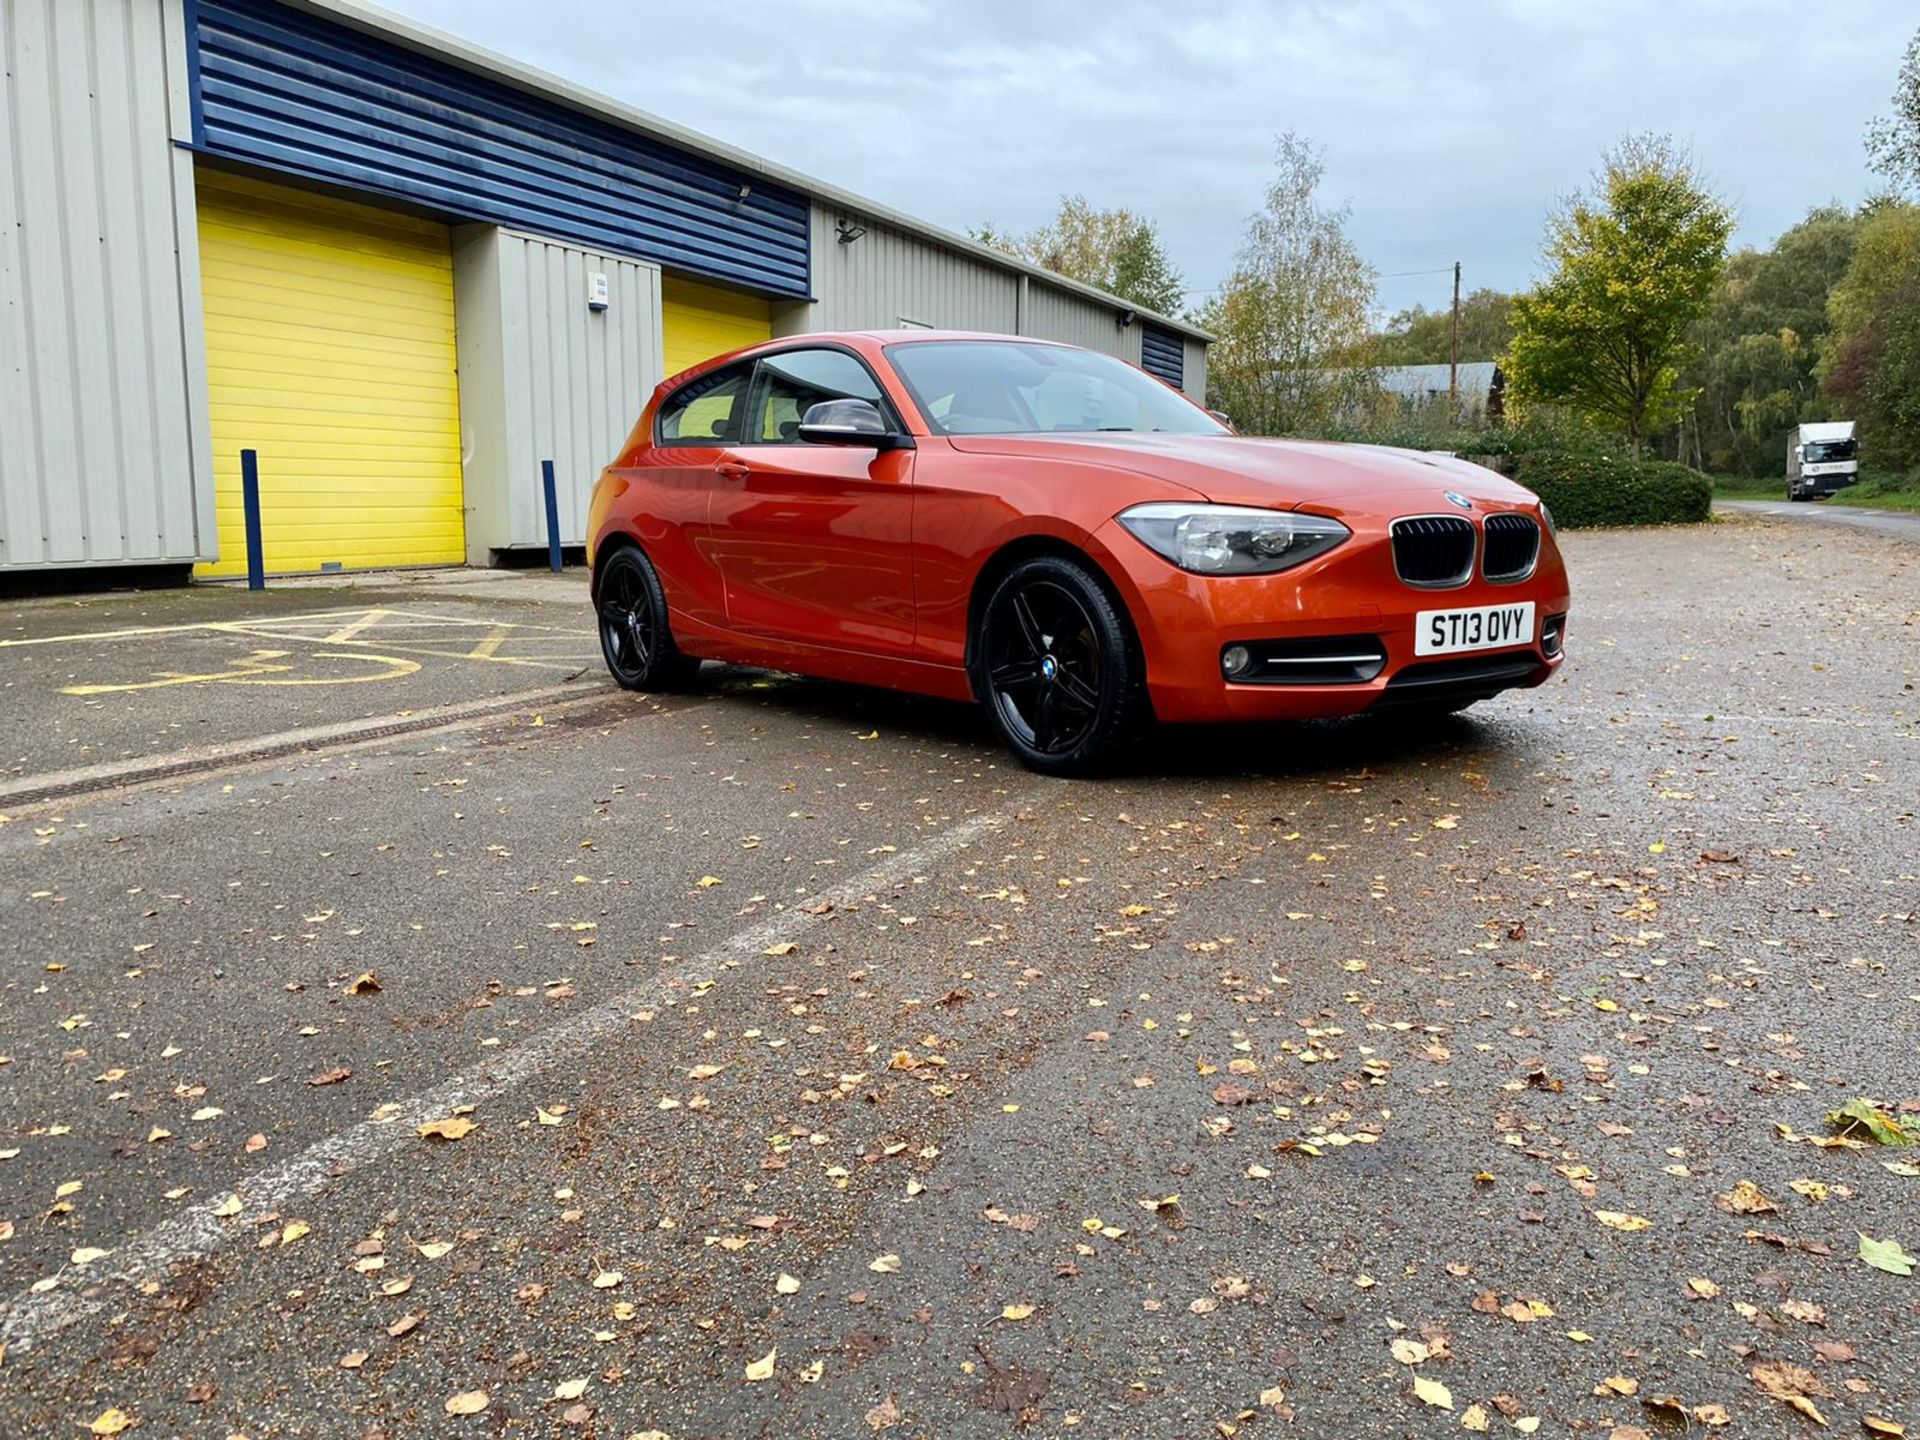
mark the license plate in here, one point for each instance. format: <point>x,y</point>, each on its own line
<point>1478,627</point>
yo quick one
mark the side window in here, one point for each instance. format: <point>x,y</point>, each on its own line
<point>791,382</point>
<point>703,412</point>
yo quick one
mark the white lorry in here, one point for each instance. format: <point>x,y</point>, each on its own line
<point>1821,458</point>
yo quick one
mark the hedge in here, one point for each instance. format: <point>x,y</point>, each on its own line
<point>1588,491</point>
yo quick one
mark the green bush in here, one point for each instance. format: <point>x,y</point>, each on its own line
<point>1575,468</point>
<point>1588,491</point>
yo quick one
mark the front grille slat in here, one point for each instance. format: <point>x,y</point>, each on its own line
<point>1513,545</point>
<point>1433,552</point>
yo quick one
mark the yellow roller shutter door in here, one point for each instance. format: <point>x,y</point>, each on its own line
<point>330,350</point>
<point>699,321</point>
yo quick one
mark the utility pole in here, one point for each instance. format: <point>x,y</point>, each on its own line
<point>1453,366</point>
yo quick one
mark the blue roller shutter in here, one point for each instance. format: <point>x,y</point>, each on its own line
<point>296,92</point>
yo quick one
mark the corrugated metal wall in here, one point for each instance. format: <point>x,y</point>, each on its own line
<point>1056,314</point>
<point>100,390</point>
<point>299,93</point>
<point>888,278</point>
<point>543,377</point>
<point>1194,374</point>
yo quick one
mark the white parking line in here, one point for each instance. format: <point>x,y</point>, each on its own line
<point>28,1319</point>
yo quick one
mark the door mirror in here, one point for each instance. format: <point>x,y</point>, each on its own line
<point>849,422</point>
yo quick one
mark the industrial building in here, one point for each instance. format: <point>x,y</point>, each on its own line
<point>405,271</point>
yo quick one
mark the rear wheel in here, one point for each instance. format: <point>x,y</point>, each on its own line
<point>1054,664</point>
<point>634,637</point>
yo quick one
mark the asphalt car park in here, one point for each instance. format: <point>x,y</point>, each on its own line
<point>791,1062</point>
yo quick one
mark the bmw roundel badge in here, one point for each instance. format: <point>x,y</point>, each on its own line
<point>1456,498</point>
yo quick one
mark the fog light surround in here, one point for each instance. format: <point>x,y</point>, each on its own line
<point>1234,661</point>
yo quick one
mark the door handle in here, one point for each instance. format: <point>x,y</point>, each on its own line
<point>732,470</point>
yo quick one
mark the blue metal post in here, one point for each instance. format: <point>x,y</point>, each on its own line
<point>250,502</point>
<point>553,515</point>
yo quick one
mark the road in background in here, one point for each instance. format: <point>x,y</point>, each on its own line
<point>794,1065</point>
<point>1902,524</point>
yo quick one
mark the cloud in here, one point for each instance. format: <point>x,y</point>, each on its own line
<point>1450,125</point>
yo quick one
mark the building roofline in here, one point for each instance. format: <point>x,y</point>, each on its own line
<point>439,44</point>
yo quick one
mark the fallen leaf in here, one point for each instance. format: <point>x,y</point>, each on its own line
<point>365,983</point>
<point>1017,1312</point>
<point>453,1127</point>
<point>1618,1220</point>
<point>1879,1425</point>
<point>1433,1392</point>
<point>762,1369</point>
<point>112,1422</point>
<point>353,1359</point>
<point>1410,1352</point>
<point>707,882</point>
<point>1791,1385</point>
<point>87,1254</point>
<point>1474,1417</point>
<point>331,1077</point>
<point>885,1415</point>
<point>886,1265</point>
<point>1861,1119</point>
<point>1885,1255</point>
<point>1745,1199</point>
<point>607,1279</point>
<point>570,1389</point>
<point>787,1285</point>
<point>467,1402</point>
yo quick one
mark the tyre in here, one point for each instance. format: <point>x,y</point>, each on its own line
<point>1055,666</point>
<point>634,637</point>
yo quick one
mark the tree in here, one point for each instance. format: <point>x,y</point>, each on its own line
<point>1893,141</point>
<point>1870,363</point>
<point>1420,336</point>
<point>1113,250</point>
<point>1296,307</point>
<point>1635,262</point>
<point>1756,348</point>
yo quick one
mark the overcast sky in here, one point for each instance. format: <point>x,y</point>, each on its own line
<point>1449,125</point>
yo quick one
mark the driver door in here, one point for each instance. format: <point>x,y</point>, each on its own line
<point>814,542</point>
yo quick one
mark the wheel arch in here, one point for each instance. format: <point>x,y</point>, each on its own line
<point>605,548</point>
<point>1030,547</point>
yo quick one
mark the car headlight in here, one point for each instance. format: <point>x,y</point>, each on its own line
<point>1231,539</point>
<point>1547,515</point>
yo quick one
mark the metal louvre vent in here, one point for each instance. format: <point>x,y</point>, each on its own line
<point>1513,545</point>
<point>1433,552</point>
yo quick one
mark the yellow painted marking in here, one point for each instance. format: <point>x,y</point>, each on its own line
<point>256,667</point>
<point>397,668</point>
<point>495,638</point>
<point>348,631</point>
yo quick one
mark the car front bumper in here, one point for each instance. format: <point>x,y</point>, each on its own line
<point>1348,604</point>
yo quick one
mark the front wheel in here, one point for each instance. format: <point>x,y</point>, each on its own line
<point>634,637</point>
<point>1054,664</point>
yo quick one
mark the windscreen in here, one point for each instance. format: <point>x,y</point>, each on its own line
<point>1005,387</point>
<point>1820,452</point>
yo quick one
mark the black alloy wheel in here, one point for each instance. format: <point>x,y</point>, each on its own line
<point>634,638</point>
<point>1054,665</point>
